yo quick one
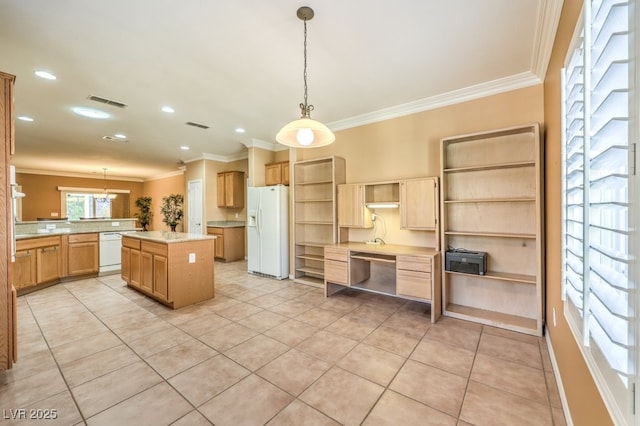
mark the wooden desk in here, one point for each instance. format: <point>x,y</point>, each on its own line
<point>400,271</point>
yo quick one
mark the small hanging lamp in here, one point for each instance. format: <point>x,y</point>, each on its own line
<point>305,132</point>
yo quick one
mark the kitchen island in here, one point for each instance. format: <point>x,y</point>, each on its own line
<point>173,268</point>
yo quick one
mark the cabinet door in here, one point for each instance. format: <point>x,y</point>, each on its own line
<point>160,277</point>
<point>285,173</point>
<point>272,174</point>
<point>418,198</point>
<point>413,284</point>
<point>146,282</point>
<point>234,189</point>
<point>219,246</point>
<point>220,189</point>
<point>135,276</point>
<point>352,212</point>
<point>82,258</point>
<point>24,269</point>
<point>48,264</point>
<point>125,264</point>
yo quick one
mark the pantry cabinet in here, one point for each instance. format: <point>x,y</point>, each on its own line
<point>230,187</point>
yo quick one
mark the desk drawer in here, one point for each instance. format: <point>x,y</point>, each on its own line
<point>414,263</point>
<point>336,272</point>
<point>413,284</point>
<point>336,253</point>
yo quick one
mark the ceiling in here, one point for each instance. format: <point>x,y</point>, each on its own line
<point>239,64</point>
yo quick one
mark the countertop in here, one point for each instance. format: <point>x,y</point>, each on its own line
<point>168,237</point>
<point>387,249</point>
<point>226,224</point>
<point>64,231</point>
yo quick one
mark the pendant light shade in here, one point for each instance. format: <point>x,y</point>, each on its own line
<point>305,132</point>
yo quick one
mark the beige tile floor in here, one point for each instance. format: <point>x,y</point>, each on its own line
<point>267,352</point>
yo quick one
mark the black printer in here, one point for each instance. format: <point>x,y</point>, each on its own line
<point>470,262</point>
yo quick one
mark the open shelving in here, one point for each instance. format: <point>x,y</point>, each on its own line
<point>492,202</point>
<point>315,215</point>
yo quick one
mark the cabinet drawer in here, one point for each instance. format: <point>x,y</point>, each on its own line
<point>336,272</point>
<point>154,248</point>
<point>413,284</point>
<point>82,238</point>
<point>414,263</point>
<point>336,253</point>
<point>133,243</point>
<point>215,231</point>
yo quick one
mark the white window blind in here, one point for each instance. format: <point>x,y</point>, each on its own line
<point>597,277</point>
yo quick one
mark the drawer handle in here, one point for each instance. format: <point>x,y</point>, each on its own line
<point>46,249</point>
<point>25,254</point>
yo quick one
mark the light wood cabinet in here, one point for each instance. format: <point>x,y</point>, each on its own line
<point>419,204</point>
<point>131,262</point>
<point>81,254</point>
<point>402,271</point>
<point>315,215</point>
<point>154,277</point>
<point>176,273</point>
<point>230,187</point>
<point>38,261</point>
<point>277,173</point>
<point>229,245</point>
<point>492,202</point>
<point>352,211</point>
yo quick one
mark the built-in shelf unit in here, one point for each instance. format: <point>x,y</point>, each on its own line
<point>315,210</point>
<point>492,202</point>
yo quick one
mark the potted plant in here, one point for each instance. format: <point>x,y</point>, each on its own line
<point>146,214</point>
<point>172,210</point>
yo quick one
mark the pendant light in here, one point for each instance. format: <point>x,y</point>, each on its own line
<point>305,132</point>
<point>105,194</point>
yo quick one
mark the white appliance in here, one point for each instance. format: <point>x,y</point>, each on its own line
<point>268,231</point>
<point>110,252</point>
<point>16,195</point>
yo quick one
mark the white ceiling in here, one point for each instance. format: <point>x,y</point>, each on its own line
<point>230,64</point>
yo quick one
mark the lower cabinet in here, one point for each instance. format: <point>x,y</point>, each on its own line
<point>336,265</point>
<point>130,268</point>
<point>81,253</point>
<point>413,276</point>
<point>229,245</point>
<point>154,269</point>
<point>38,261</point>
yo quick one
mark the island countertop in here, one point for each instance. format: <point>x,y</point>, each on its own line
<point>168,237</point>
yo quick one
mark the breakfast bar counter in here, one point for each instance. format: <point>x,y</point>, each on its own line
<point>174,268</point>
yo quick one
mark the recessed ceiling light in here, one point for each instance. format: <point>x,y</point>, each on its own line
<point>184,148</point>
<point>239,130</point>
<point>120,136</point>
<point>90,113</point>
<point>168,109</point>
<point>25,118</point>
<point>45,74</point>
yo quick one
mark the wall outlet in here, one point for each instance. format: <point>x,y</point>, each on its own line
<point>54,214</point>
<point>236,215</point>
<point>373,242</point>
<point>192,258</point>
<point>51,226</point>
<point>115,223</point>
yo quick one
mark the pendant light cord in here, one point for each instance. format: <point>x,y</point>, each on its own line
<point>304,107</point>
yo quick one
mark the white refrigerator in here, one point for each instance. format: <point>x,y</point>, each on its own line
<point>268,231</point>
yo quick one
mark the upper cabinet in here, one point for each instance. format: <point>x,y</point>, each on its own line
<point>231,189</point>
<point>418,203</point>
<point>352,212</point>
<point>277,173</point>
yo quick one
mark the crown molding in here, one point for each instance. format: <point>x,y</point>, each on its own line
<point>76,175</point>
<point>219,158</point>
<point>549,12</point>
<point>167,175</point>
<point>259,143</point>
<point>506,84</point>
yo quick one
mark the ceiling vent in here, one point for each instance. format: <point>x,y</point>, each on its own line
<point>114,139</point>
<point>194,124</point>
<point>106,101</point>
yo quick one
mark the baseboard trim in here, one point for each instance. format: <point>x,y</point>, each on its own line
<point>556,373</point>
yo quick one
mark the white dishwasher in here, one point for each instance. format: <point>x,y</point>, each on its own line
<point>110,250</point>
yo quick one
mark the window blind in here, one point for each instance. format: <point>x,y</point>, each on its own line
<point>597,96</point>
